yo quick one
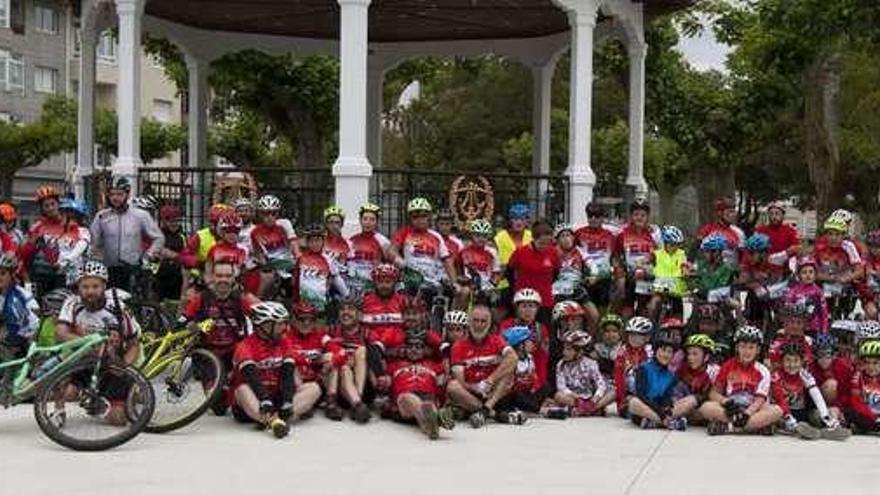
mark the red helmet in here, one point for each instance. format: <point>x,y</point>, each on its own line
<point>415,303</point>
<point>170,212</point>
<point>228,219</point>
<point>45,192</point>
<point>723,203</point>
<point>671,323</point>
<point>385,271</point>
<point>806,261</point>
<point>304,308</point>
<point>7,212</point>
<point>215,211</point>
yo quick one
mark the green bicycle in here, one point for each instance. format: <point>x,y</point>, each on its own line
<point>186,379</point>
<point>83,400</point>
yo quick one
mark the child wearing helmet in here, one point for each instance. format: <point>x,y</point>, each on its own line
<point>713,276</point>
<point>725,227</point>
<point>516,235</point>
<point>316,275</point>
<point>632,354</point>
<point>479,260</point>
<point>608,344</point>
<point>650,405</point>
<point>350,334</point>
<point>226,249</point>
<point>580,386</point>
<point>806,292</point>
<point>805,412</point>
<point>73,243</point>
<point>634,250</point>
<point>526,394</point>
<point>368,249</point>
<point>696,375</point>
<point>863,410</point>
<point>838,258</point>
<point>670,268</point>
<point>833,373</point>
<point>571,264</point>
<point>19,312</point>
<point>526,303</point>
<point>794,318</point>
<point>739,400</point>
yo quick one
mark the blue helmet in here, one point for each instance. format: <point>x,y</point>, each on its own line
<point>517,335</point>
<point>713,242</point>
<point>77,206</point>
<point>519,210</point>
<point>758,243</point>
<point>672,235</point>
<point>824,341</point>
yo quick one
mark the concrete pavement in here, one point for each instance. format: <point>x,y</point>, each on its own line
<point>609,456</point>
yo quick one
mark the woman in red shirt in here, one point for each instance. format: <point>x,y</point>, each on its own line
<point>535,266</point>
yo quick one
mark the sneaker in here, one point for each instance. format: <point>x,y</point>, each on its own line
<point>478,419</point>
<point>807,431</point>
<point>677,424</point>
<point>647,424</point>
<point>219,407</point>
<point>432,422</point>
<point>717,428</point>
<point>557,412</point>
<point>516,418</point>
<point>838,434</point>
<point>446,418</point>
<point>360,413</point>
<point>58,419</point>
<point>333,412</point>
<point>279,428</point>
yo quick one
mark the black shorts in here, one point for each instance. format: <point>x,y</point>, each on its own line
<point>522,401</point>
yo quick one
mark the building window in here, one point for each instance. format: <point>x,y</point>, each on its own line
<point>11,72</point>
<point>45,80</point>
<point>45,19</point>
<point>162,111</point>
<point>107,47</point>
<point>4,13</point>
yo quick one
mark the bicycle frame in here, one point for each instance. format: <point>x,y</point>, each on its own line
<point>23,388</point>
<point>170,347</point>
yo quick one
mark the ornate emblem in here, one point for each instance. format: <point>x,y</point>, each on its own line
<point>471,198</point>
<point>229,186</point>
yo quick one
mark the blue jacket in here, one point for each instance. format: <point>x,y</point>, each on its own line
<point>18,316</point>
<point>654,383</point>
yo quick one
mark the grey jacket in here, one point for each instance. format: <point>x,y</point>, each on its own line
<point>119,235</point>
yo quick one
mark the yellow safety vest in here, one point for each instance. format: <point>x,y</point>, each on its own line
<point>505,245</point>
<point>668,265</point>
<point>206,242</point>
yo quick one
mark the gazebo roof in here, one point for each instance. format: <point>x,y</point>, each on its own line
<point>390,20</point>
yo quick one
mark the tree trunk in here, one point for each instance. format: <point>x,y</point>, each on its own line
<point>712,183</point>
<point>821,130</point>
<point>6,180</point>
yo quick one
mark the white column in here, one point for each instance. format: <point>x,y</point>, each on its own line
<point>352,169</point>
<point>85,119</point>
<point>635,176</point>
<point>580,174</point>
<point>197,125</point>
<point>128,90</point>
<point>542,92</point>
<point>375,82</point>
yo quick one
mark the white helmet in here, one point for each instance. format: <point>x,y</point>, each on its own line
<point>639,325</point>
<point>242,202</point>
<point>868,329</point>
<point>268,311</point>
<point>842,215</point>
<point>92,269</point>
<point>456,318</point>
<point>268,203</point>
<point>564,309</point>
<point>527,295</point>
<point>562,227</point>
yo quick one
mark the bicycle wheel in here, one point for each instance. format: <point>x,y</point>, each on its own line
<point>94,406</point>
<point>185,389</point>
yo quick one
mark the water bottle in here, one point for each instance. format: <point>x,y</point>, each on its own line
<point>46,366</point>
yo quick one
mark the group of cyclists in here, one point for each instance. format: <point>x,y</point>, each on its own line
<point>442,322</point>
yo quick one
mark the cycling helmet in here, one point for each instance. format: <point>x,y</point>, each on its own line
<point>868,330</point>
<point>844,216</point>
<point>835,225</point>
<point>519,211</point>
<point>269,203</point>
<point>385,271</point>
<point>824,342</point>
<point>526,295</point>
<point>517,335</point>
<point>792,347</point>
<point>215,211</point>
<point>480,227</point>
<point>795,310</point>
<point>708,312</point>
<point>702,341</point>
<point>445,214</point>
<point>577,339</point>
<point>144,202</point>
<point>758,243</point>
<point>228,220</point>
<point>76,206</point>
<point>776,205</point>
<point>640,203</point>
<point>170,212</point>
<point>415,304</point>
<point>567,309</point>
<point>672,235</point>
<point>352,299</point>
<point>334,211</point>
<point>869,349</point>
<point>369,208</point>
<point>594,210</point>
<point>611,319</point>
<point>119,182</point>
<point>268,311</point>
<point>45,192</point>
<point>242,202</point>
<point>748,333</point>
<point>713,242</point>
<point>7,212</point>
<point>8,261</point>
<point>51,303</point>
<point>418,204</point>
<point>872,238</point>
<point>724,203</point>
<point>805,261</point>
<point>671,323</point>
<point>92,269</point>
<point>456,318</point>
<point>304,308</point>
<point>639,325</point>
<point>314,230</point>
<point>562,227</point>
<point>663,338</point>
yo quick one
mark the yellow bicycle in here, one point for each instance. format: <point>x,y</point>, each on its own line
<point>186,379</point>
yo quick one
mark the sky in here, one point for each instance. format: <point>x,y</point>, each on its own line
<point>703,51</point>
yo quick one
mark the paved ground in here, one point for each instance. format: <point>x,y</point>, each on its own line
<point>606,456</point>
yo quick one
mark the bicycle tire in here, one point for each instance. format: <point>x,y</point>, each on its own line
<point>154,426</point>
<point>135,427</point>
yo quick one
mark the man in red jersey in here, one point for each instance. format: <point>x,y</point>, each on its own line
<point>368,249</point>
<point>421,249</point>
<point>725,224</point>
<point>634,250</point>
<point>785,241</point>
<point>597,245</point>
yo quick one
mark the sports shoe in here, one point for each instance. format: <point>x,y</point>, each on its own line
<point>840,433</point>
<point>677,424</point>
<point>717,428</point>
<point>431,425</point>
<point>807,431</point>
<point>556,412</point>
<point>446,418</point>
<point>333,412</point>
<point>516,418</point>
<point>279,428</point>
<point>647,424</point>
<point>478,419</point>
<point>360,413</point>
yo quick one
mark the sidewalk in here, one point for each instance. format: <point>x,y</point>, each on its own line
<point>603,456</point>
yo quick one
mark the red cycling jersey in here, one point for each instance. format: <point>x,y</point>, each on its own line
<point>840,370</point>
<point>338,249</point>
<point>571,260</point>
<point>308,351</point>
<point>835,259</point>
<point>790,391</point>
<point>699,381</point>
<point>782,237</point>
<point>314,273</point>
<point>738,378</point>
<point>453,244</point>
<point>227,314</point>
<point>482,260</point>
<point>270,242</point>
<point>541,355</point>
<point>774,354</point>
<point>266,356</point>
<point>367,251</point>
<point>597,245</point>
<point>381,315</point>
<point>413,368</point>
<point>628,359</point>
<point>46,227</point>
<point>535,269</point>
<point>479,359</point>
<point>422,251</point>
<point>635,245</point>
<point>864,395</point>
